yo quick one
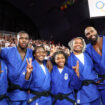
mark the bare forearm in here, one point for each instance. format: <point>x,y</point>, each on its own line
<point>27,76</point>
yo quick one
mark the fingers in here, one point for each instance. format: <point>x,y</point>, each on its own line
<point>29,65</point>
<point>77,65</point>
<point>30,61</point>
<point>27,61</point>
<point>76,68</point>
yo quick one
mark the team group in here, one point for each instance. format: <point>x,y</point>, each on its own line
<point>26,78</point>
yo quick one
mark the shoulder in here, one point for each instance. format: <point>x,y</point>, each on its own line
<point>69,70</point>
<point>103,37</point>
<point>88,48</point>
<point>9,48</point>
<point>70,56</point>
<point>33,62</point>
<point>54,68</point>
<point>29,50</point>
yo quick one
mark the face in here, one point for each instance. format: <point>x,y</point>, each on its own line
<point>77,45</point>
<point>91,34</point>
<point>23,40</point>
<point>60,60</point>
<point>40,54</point>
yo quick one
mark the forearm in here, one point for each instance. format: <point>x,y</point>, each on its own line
<point>27,76</point>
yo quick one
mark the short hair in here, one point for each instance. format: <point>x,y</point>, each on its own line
<point>90,27</point>
<point>70,44</point>
<point>21,32</point>
<point>59,52</point>
<point>36,47</point>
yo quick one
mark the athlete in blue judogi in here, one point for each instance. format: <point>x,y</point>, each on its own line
<point>63,81</point>
<point>15,58</point>
<point>96,50</point>
<point>88,93</point>
<point>40,79</point>
<point>3,84</point>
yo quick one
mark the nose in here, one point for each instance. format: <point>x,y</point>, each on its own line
<point>78,43</point>
<point>89,35</point>
<point>41,53</point>
<point>24,40</point>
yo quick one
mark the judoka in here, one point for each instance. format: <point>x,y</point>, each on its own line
<point>40,79</point>
<point>15,58</point>
<point>96,50</point>
<point>88,93</point>
<point>63,81</point>
<point>3,84</point>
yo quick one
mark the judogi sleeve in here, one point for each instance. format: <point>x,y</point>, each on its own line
<point>75,82</point>
<point>4,53</point>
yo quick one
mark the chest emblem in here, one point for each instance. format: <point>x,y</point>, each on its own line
<point>66,76</point>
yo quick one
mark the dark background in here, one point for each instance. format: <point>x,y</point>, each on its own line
<point>43,19</point>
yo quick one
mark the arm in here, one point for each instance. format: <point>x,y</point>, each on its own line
<point>25,77</point>
<point>29,69</point>
<point>4,53</point>
<point>75,82</point>
<point>49,65</point>
<point>76,69</point>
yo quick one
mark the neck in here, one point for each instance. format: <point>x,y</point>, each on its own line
<point>40,62</point>
<point>21,50</point>
<point>76,53</point>
<point>60,67</point>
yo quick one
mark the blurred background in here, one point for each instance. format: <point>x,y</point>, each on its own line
<point>55,20</point>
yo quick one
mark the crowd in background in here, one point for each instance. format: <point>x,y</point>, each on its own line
<point>50,46</point>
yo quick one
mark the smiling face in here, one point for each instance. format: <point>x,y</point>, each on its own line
<point>91,34</point>
<point>60,60</point>
<point>77,46</point>
<point>40,54</point>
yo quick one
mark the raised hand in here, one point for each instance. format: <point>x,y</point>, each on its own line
<point>53,50</point>
<point>76,68</point>
<point>29,68</point>
<point>29,65</point>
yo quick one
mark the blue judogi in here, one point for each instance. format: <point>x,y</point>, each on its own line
<point>64,83</point>
<point>3,83</point>
<point>16,73</point>
<point>99,65</point>
<point>86,94</point>
<point>40,82</point>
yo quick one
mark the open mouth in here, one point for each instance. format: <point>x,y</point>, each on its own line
<point>23,44</point>
<point>94,37</point>
<point>41,57</point>
<point>78,47</point>
<point>61,63</point>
